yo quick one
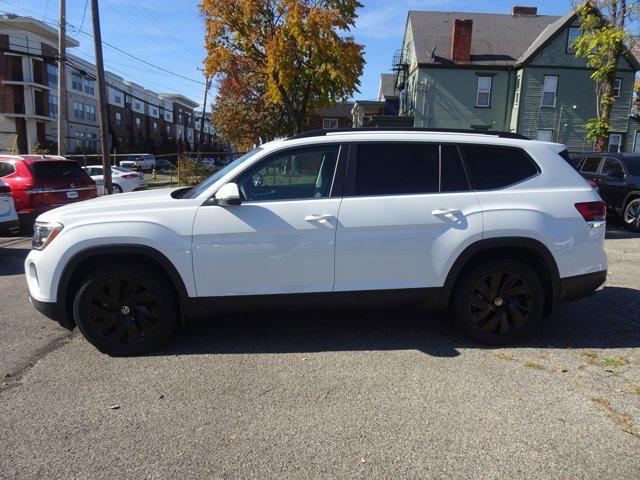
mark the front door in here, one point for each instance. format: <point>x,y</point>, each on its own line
<point>281,239</point>
<point>407,212</point>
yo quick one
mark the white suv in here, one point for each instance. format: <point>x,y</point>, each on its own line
<point>496,228</point>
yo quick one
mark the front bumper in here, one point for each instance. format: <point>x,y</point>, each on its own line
<point>580,286</point>
<point>54,311</point>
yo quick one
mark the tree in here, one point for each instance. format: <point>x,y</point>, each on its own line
<point>602,43</point>
<point>297,52</point>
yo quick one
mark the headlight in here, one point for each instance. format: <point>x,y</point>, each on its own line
<point>44,233</point>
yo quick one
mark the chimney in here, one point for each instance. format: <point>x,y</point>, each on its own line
<point>461,40</point>
<point>529,11</point>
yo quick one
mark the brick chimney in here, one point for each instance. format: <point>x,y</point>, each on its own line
<point>518,10</point>
<point>461,40</point>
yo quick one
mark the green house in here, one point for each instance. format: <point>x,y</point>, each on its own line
<point>511,72</point>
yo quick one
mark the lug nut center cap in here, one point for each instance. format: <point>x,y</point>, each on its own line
<point>498,302</point>
<point>125,310</point>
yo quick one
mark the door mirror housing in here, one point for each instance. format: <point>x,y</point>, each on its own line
<point>228,195</point>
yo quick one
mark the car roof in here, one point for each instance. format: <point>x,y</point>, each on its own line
<point>29,159</point>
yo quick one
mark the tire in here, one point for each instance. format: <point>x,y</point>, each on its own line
<point>116,188</point>
<point>631,216</point>
<point>498,302</point>
<point>125,309</point>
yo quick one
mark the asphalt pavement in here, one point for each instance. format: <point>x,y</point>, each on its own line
<point>367,394</point>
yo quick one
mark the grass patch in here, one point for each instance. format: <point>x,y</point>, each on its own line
<point>614,362</point>
<point>623,419</point>
<point>502,356</point>
<point>534,366</point>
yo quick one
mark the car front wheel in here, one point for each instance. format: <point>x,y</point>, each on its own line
<point>632,215</point>
<point>126,310</point>
<point>498,302</point>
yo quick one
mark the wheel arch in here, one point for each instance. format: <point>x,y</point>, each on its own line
<point>630,196</point>
<point>531,251</point>
<point>82,262</point>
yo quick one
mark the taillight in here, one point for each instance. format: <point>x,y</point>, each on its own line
<point>593,211</point>
<point>129,176</point>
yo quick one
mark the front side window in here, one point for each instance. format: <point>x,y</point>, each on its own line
<point>302,173</point>
<point>397,169</point>
<point>615,142</point>
<point>574,33</point>
<point>483,93</point>
<point>612,166</point>
<point>549,90</point>
<point>497,167</point>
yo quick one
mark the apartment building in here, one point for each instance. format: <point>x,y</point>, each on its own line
<point>139,119</point>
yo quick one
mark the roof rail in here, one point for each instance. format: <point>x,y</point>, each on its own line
<point>321,133</point>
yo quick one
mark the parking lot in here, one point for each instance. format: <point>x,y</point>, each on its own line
<point>368,394</point>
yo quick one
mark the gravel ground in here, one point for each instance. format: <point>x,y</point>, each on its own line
<point>358,395</point>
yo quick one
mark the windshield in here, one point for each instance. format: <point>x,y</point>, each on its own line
<point>633,164</point>
<point>122,169</point>
<point>198,189</point>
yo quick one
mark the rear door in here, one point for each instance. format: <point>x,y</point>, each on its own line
<point>590,168</point>
<point>406,214</point>
<point>613,182</point>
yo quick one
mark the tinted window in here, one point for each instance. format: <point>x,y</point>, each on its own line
<point>454,178</point>
<point>401,168</point>
<point>590,164</point>
<point>56,170</point>
<point>496,167</point>
<point>6,169</point>
<point>633,165</point>
<point>612,165</point>
<point>291,174</point>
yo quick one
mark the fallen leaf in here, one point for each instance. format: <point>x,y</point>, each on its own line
<point>114,407</point>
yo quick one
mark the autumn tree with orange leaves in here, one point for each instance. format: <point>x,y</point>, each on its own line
<point>278,60</point>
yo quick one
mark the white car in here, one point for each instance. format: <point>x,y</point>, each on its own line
<point>495,228</point>
<point>123,179</point>
<point>8,215</point>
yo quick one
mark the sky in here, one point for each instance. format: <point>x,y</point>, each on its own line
<point>169,34</point>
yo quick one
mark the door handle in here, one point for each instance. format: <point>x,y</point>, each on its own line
<point>447,212</point>
<point>319,217</point>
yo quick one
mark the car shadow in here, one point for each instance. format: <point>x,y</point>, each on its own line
<point>12,261</point>
<point>616,229</point>
<point>606,320</point>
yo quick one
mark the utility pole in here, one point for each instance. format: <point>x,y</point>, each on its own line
<point>62,80</point>
<point>207,83</point>
<point>102,99</point>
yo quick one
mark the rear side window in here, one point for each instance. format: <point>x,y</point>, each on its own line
<point>56,170</point>
<point>497,167</point>
<point>397,168</point>
<point>612,165</point>
<point>591,164</point>
<point>6,168</point>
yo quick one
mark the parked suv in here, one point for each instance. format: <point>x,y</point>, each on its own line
<point>617,176</point>
<point>495,228</point>
<point>42,182</point>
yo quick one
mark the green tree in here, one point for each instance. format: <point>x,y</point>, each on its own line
<point>603,26</point>
<point>298,52</point>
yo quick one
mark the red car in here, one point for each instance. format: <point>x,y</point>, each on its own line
<point>42,182</point>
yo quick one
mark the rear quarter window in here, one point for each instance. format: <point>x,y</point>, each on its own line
<point>492,167</point>
<point>57,170</point>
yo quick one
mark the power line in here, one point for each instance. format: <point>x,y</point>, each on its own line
<point>159,24</point>
<point>84,13</point>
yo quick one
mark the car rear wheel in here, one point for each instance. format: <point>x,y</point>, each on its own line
<point>498,302</point>
<point>126,310</point>
<point>117,188</point>
<point>632,215</point>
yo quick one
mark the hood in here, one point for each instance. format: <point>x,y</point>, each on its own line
<point>125,206</point>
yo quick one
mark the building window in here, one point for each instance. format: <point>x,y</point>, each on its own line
<point>118,119</point>
<point>76,82</point>
<point>167,116</point>
<point>79,140</point>
<point>549,91</point>
<point>574,33</point>
<point>88,86</point>
<point>483,94</point>
<point>137,105</point>
<point>155,127</point>
<point>78,109</point>
<point>155,111</point>
<point>180,118</point>
<point>117,97</point>
<point>617,87</point>
<point>92,141</point>
<point>91,112</point>
<point>516,97</point>
<point>615,142</point>
<point>329,123</point>
<point>138,123</point>
<point>545,135</point>
<point>53,106</point>
<point>168,130</point>
<point>52,75</point>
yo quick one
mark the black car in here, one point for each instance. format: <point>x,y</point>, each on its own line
<point>617,176</point>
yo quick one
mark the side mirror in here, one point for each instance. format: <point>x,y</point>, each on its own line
<point>228,195</point>
<point>615,173</point>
